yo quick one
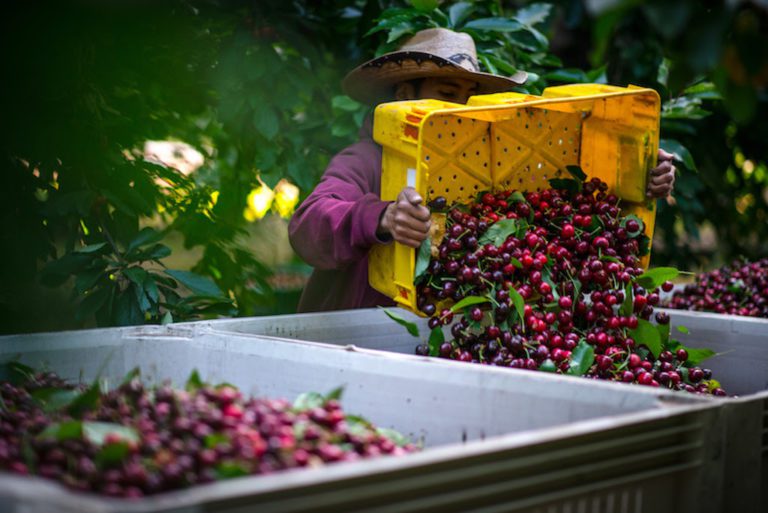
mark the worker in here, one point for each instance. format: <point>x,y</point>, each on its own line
<point>335,227</point>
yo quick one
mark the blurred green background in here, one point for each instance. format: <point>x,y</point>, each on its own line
<point>152,152</point>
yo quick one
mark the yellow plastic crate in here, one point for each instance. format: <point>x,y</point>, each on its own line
<point>512,141</point>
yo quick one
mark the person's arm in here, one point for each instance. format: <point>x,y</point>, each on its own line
<point>662,177</point>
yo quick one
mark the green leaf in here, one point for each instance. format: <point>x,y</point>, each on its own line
<point>576,172</point>
<point>469,301</point>
<point>167,318</point>
<point>582,358</point>
<point>664,330</point>
<point>516,197</point>
<point>681,153</point>
<point>146,236</point>
<point>629,299</point>
<point>653,278</point>
<point>197,284</point>
<point>112,454</point>
<point>518,302</point>
<point>412,328</point>
<point>398,438</point>
<point>229,470</point>
<point>308,400</point>
<point>132,374</point>
<point>696,356</point>
<point>548,366</point>
<point>91,248</point>
<point>54,399</point>
<point>85,401</point>
<point>16,373</point>
<point>436,338</point>
<point>498,232</point>
<point>495,24</point>
<point>345,103</point>
<point>565,184</point>
<point>136,274</point>
<point>647,334</point>
<point>61,431</point>
<point>265,121</point>
<point>422,258</point>
<point>569,75</point>
<point>194,382</point>
<point>335,394</point>
<point>683,329</point>
<point>459,12</point>
<point>215,439</point>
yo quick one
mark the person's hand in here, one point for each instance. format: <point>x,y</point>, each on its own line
<point>662,177</point>
<point>406,220</point>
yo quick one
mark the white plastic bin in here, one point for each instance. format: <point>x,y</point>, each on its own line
<point>495,440</point>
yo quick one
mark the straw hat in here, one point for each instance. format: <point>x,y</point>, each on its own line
<point>435,52</point>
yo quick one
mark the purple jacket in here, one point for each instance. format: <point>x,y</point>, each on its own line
<point>335,227</point>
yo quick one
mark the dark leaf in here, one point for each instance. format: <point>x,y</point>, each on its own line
<point>196,283</point>
<point>436,338</point>
<point>459,12</point>
<point>696,356</point>
<point>411,327</point>
<point>335,394</point>
<point>194,382</point>
<point>519,303</point>
<point>647,334</point>
<point>422,258</point>
<point>582,358</point>
<point>146,236</point>
<point>495,24</point>
<point>468,301</point>
<point>577,173</point>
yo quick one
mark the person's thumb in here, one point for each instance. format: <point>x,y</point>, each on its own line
<point>413,197</point>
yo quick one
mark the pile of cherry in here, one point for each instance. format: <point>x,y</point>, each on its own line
<point>738,289</point>
<point>552,281</point>
<point>136,440</point>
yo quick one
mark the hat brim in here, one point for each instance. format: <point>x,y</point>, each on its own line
<point>373,82</point>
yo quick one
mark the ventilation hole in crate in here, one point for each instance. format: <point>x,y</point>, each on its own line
<point>575,152</point>
<point>558,173</point>
<point>454,177</point>
<point>565,129</point>
<point>498,138</point>
<point>544,176</point>
<point>439,136</point>
<point>461,189</point>
<point>498,163</point>
<point>483,140</point>
<point>439,178</point>
<point>477,153</point>
<point>475,187</point>
<point>453,134</point>
<point>426,157</point>
<point>526,125</point>
<point>458,121</point>
<point>549,143</point>
<point>520,180</point>
<point>539,165</point>
<point>445,122</point>
<point>565,152</point>
<point>519,148</point>
<point>560,142</point>
<point>431,191</point>
<point>431,123</point>
<point>485,164</point>
<point>540,124</point>
<point>505,149</point>
<point>447,190</point>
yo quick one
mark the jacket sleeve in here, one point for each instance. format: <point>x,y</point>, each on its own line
<point>336,225</point>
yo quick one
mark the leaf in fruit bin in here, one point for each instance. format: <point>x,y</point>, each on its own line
<point>644,243</point>
<point>194,382</point>
<point>629,300</point>
<point>582,358</point>
<point>647,334</point>
<point>112,454</point>
<point>653,278</point>
<point>63,430</point>
<point>565,184</point>
<point>308,400</point>
<point>468,301</point>
<point>548,366</point>
<point>498,232</point>
<point>229,470</point>
<point>696,356</point>
<point>97,432</point>
<point>436,338</point>
<point>663,333</point>
<point>335,394</point>
<point>54,399</point>
<point>576,172</point>
<point>215,439</point>
<point>398,438</point>
<point>86,400</point>
<point>410,326</point>
<point>683,329</point>
<point>519,303</point>
<point>16,373</point>
<point>515,262</point>
<point>516,197</point>
<point>422,259</point>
